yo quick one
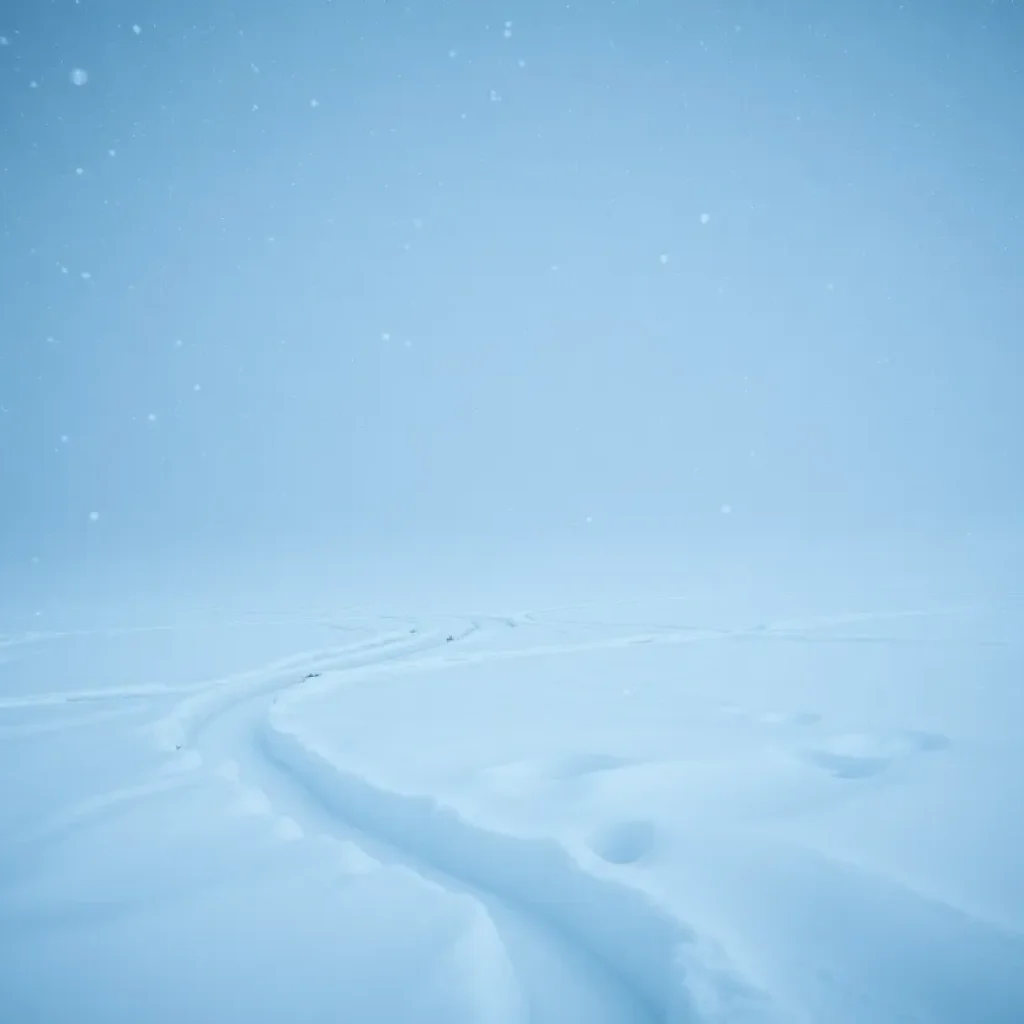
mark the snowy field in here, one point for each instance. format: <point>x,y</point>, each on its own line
<point>713,798</point>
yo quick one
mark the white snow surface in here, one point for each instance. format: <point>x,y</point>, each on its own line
<point>704,801</point>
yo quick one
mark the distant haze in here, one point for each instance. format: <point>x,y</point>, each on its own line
<point>355,273</point>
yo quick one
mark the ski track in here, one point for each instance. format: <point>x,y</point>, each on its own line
<point>612,937</point>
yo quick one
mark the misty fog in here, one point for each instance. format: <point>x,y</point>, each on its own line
<point>511,513</point>
<point>328,274</point>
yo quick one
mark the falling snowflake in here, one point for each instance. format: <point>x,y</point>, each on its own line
<point>726,509</point>
<point>151,417</point>
<point>508,30</point>
<point>314,104</point>
<point>33,84</point>
<point>4,41</point>
<point>64,439</point>
<point>197,387</point>
<point>705,217</point>
<point>521,62</point>
<point>111,152</point>
<point>663,258</point>
<point>495,96</point>
<point>79,170</point>
<point>453,54</point>
<point>137,29</point>
<point>86,276</point>
<point>79,76</point>
<point>385,336</point>
<point>93,516</point>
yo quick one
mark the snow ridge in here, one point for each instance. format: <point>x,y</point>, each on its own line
<point>681,977</point>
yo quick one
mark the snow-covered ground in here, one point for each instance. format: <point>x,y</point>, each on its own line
<point>717,798</point>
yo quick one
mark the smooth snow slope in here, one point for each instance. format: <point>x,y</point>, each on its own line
<point>700,807</point>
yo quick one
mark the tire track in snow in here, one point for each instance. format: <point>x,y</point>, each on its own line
<point>175,732</point>
<point>614,933</point>
<point>668,971</point>
<point>551,970</point>
<point>794,630</point>
<point>601,996</point>
<point>116,693</point>
<point>176,729</point>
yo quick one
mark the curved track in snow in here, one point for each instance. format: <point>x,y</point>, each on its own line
<point>572,928</point>
<point>584,940</point>
<point>584,943</point>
